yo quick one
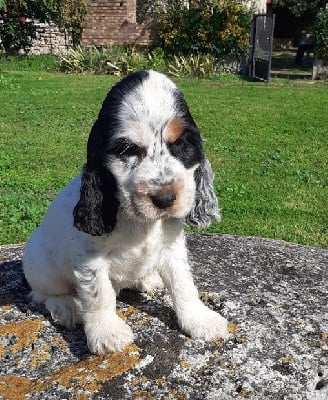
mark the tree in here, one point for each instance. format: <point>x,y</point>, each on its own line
<point>300,7</point>
<point>321,34</point>
<point>15,31</point>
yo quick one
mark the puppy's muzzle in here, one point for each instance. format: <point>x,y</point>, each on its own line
<point>163,200</point>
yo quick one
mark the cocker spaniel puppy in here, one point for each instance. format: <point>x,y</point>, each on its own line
<point>120,223</point>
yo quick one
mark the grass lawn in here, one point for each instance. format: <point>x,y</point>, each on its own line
<point>267,144</point>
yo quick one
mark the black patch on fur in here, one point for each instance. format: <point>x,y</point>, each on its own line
<point>95,212</point>
<point>183,109</point>
<point>188,148</point>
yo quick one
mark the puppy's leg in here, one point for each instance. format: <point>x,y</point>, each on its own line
<point>105,331</point>
<point>150,283</point>
<point>64,308</point>
<point>194,317</point>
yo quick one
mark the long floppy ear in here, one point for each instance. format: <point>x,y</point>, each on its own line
<point>205,208</point>
<point>95,212</point>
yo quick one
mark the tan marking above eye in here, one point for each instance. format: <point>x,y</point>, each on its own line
<point>173,129</point>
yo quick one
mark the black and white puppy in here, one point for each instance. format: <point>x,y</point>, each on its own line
<point>120,223</point>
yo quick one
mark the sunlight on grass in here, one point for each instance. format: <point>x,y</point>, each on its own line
<point>267,145</point>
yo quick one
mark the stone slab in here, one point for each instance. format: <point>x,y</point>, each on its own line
<point>273,293</point>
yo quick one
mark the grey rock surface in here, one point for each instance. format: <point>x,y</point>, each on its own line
<point>273,293</point>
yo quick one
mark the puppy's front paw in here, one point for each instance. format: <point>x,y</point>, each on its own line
<point>150,283</point>
<point>63,310</point>
<point>107,333</point>
<point>202,323</point>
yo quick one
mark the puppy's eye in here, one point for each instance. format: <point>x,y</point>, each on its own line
<point>187,148</point>
<point>125,148</point>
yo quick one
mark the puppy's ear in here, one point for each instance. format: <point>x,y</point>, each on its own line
<point>205,208</point>
<point>95,212</point>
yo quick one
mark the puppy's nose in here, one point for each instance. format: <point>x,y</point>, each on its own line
<point>163,200</point>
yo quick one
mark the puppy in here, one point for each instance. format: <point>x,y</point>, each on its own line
<point>120,223</point>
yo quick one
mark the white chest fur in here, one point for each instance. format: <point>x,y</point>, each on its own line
<point>134,252</point>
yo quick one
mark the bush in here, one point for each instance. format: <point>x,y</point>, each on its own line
<point>194,65</point>
<point>111,60</point>
<point>216,27</point>
<point>17,29</point>
<point>157,60</point>
<point>321,33</point>
<point>15,32</point>
<point>121,60</point>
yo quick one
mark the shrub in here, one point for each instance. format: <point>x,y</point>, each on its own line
<point>158,60</point>
<point>16,32</point>
<point>216,27</point>
<point>17,29</point>
<point>110,60</point>
<point>194,65</point>
<point>121,60</point>
<point>321,33</point>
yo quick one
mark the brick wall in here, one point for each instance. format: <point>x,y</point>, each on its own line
<point>113,21</point>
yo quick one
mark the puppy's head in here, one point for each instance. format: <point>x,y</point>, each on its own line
<point>145,158</point>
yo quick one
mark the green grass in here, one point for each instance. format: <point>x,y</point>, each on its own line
<point>267,145</point>
<point>36,63</point>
